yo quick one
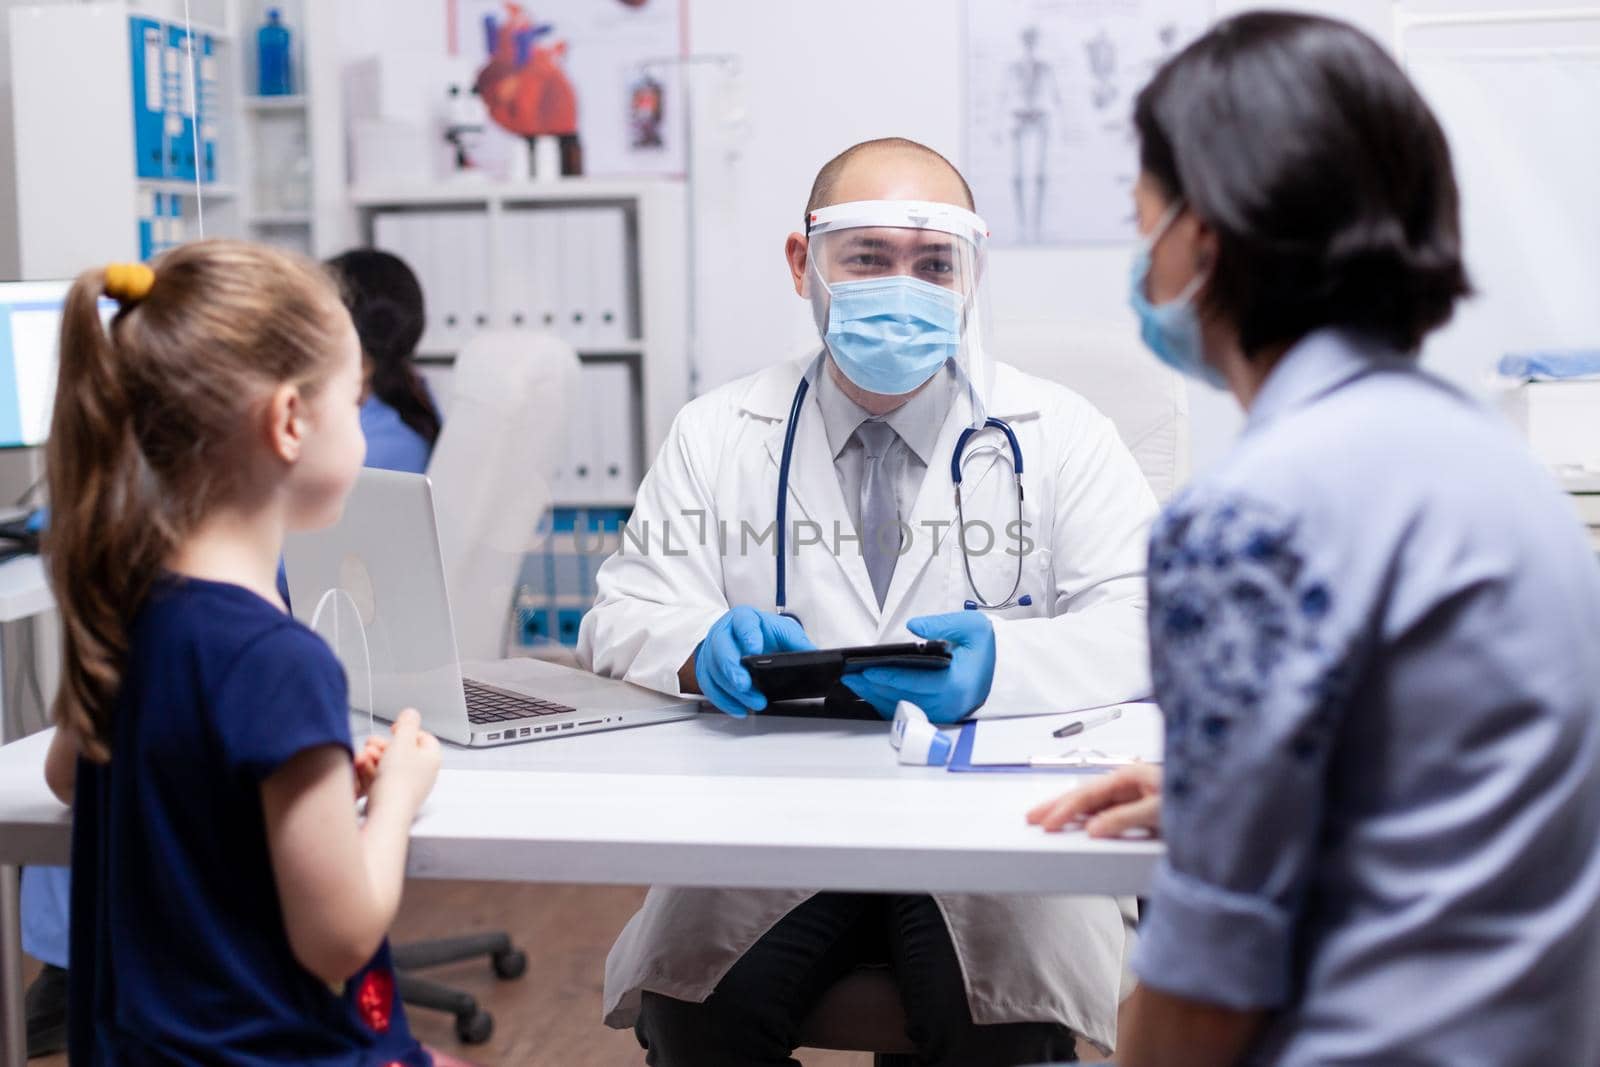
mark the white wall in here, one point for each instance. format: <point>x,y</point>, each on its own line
<point>9,254</point>
<point>822,75</point>
<point>815,77</point>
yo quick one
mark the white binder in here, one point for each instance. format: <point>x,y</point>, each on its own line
<point>610,391</point>
<point>476,287</point>
<point>447,233</point>
<point>519,285</point>
<point>409,236</point>
<point>576,253</point>
<point>545,238</point>
<point>611,327</point>
<point>582,461</point>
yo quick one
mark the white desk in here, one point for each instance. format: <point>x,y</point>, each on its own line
<point>715,802</point>
<point>23,589</point>
<point>24,593</point>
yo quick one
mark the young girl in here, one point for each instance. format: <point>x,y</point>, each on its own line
<point>227,906</point>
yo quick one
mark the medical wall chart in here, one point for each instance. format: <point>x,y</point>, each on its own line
<point>1049,144</point>
<point>615,56</point>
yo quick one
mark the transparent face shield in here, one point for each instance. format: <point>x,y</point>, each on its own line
<point>897,290</point>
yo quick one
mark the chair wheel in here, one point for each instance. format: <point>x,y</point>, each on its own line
<point>509,965</point>
<point>474,1029</point>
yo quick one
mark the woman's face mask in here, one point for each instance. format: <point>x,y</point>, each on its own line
<point>1171,330</point>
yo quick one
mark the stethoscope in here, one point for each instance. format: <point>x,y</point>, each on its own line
<point>781,600</point>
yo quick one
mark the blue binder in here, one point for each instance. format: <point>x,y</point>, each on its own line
<point>175,229</point>
<point>180,128</point>
<point>210,107</point>
<point>149,208</point>
<point>147,48</point>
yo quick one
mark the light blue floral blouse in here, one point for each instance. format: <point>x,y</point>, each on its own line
<point>1375,633</point>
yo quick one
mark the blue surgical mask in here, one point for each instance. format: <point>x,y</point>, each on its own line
<point>889,335</point>
<point>1170,330</point>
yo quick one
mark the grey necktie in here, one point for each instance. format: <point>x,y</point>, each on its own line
<point>880,515</point>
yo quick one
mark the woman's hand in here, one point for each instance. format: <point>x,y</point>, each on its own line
<point>1127,799</point>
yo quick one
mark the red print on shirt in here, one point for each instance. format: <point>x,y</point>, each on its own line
<point>375,999</point>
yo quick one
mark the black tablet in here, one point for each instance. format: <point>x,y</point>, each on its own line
<point>803,675</point>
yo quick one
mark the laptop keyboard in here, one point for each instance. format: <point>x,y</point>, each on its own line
<point>486,705</point>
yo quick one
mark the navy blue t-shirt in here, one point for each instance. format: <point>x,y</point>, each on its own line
<point>179,953</point>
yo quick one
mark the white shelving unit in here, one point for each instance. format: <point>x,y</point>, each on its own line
<point>79,197</point>
<point>655,214</point>
<point>296,103</point>
<point>293,152</point>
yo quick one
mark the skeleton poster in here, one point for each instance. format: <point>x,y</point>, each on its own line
<point>1050,147</point>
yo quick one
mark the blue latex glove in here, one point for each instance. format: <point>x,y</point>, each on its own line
<point>742,632</point>
<point>946,695</point>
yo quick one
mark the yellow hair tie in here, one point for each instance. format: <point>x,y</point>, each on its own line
<point>129,283</point>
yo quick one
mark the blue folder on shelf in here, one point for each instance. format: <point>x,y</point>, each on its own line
<point>147,48</point>
<point>210,101</point>
<point>181,105</point>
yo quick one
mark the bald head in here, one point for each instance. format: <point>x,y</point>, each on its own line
<point>890,168</point>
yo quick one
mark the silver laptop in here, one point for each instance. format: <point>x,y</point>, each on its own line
<point>385,554</point>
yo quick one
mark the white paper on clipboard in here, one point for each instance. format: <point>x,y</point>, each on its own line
<point>1135,734</point>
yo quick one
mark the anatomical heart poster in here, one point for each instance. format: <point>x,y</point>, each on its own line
<point>600,76</point>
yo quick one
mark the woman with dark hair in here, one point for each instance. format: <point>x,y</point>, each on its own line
<point>1372,626</point>
<point>398,415</point>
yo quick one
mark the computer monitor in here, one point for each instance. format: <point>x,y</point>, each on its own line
<point>30,331</point>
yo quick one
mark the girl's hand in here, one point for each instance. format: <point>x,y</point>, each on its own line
<point>61,764</point>
<point>409,764</point>
<point>1128,799</point>
<point>367,763</point>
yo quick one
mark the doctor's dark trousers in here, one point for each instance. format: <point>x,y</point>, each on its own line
<point>753,1017</point>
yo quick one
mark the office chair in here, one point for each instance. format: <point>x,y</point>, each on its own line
<point>504,433</point>
<point>1147,402</point>
<point>474,1026</point>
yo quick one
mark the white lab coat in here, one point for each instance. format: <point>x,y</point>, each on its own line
<point>1081,644</point>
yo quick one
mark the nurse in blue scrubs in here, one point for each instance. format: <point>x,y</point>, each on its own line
<point>401,424</point>
<point>398,415</point>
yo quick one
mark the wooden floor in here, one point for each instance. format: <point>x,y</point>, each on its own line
<point>551,1016</point>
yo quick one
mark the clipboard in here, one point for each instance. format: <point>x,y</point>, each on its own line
<point>961,758</point>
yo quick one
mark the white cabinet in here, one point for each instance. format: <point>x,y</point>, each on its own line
<point>599,263</point>
<point>133,134</point>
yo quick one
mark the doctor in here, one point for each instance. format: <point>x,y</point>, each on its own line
<point>891,260</point>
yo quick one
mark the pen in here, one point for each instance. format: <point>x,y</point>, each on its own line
<point>1078,726</point>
